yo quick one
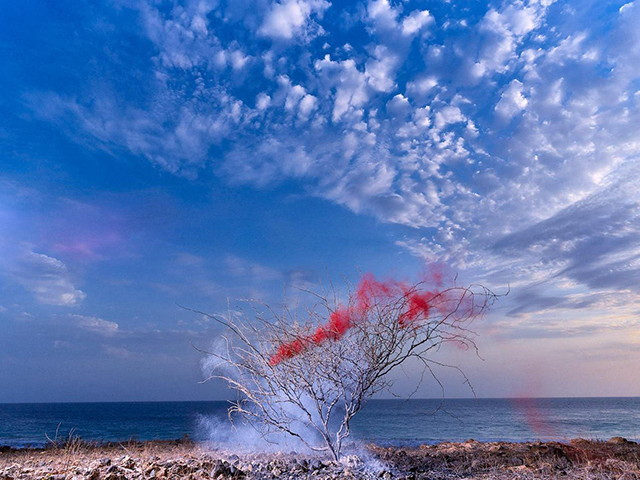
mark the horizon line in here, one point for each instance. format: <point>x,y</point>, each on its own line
<point>371,400</point>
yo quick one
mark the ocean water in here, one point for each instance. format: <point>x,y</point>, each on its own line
<point>387,422</point>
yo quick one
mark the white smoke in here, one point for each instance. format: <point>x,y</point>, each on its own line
<point>241,434</point>
<point>241,437</point>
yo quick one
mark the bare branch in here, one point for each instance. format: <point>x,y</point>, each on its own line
<point>309,380</point>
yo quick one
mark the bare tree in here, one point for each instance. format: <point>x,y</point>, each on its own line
<point>313,375</point>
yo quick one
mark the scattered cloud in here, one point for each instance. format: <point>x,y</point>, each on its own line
<point>503,144</point>
<point>119,352</point>
<point>512,101</point>
<point>94,324</point>
<point>47,278</point>
<point>292,18</point>
<point>500,138</point>
<point>416,21</point>
<point>594,242</point>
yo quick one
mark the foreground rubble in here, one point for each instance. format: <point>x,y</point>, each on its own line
<point>184,459</point>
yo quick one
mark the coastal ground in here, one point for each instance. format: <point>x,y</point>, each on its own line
<point>75,459</point>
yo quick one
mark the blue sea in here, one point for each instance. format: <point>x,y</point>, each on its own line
<point>386,422</point>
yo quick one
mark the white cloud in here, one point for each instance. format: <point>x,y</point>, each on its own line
<point>416,21</point>
<point>181,36</point>
<point>593,243</point>
<point>47,278</point>
<point>521,20</point>
<point>266,160</point>
<point>263,101</point>
<point>406,123</point>
<point>503,31</point>
<point>95,324</point>
<point>119,352</point>
<point>346,80</point>
<point>382,15</point>
<point>290,18</point>
<point>421,86</point>
<point>398,105</point>
<point>448,115</point>
<point>174,135</point>
<point>294,96</point>
<point>238,59</point>
<point>380,69</point>
<point>307,105</point>
<point>392,41</point>
<point>422,117</point>
<point>512,101</point>
<point>627,6</point>
<point>433,155</point>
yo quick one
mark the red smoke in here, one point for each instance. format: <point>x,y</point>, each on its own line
<point>534,417</point>
<point>530,406</point>
<point>369,294</point>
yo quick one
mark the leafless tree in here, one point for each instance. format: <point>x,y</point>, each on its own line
<point>313,371</point>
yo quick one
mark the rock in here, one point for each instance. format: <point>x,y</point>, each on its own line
<point>548,449</point>
<point>519,469</point>
<point>579,441</point>
<point>93,474</point>
<point>352,461</point>
<point>620,441</point>
<point>224,469</point>
<point>516,461</point>
<point>497,449</point>
<point>315,465</point>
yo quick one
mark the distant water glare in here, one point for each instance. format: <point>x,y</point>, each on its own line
<point>386,422</point>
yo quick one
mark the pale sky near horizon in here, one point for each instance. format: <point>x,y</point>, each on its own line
<point>156,152</point>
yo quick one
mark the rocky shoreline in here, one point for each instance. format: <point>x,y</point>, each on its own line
<point>184,459</point>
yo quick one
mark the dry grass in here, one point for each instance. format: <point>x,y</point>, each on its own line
<point>75,458</point>
<point>577,459</point>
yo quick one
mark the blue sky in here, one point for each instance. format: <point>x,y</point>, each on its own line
<point>163,152</point>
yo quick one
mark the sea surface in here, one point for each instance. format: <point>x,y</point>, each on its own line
<point>387,422</point>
